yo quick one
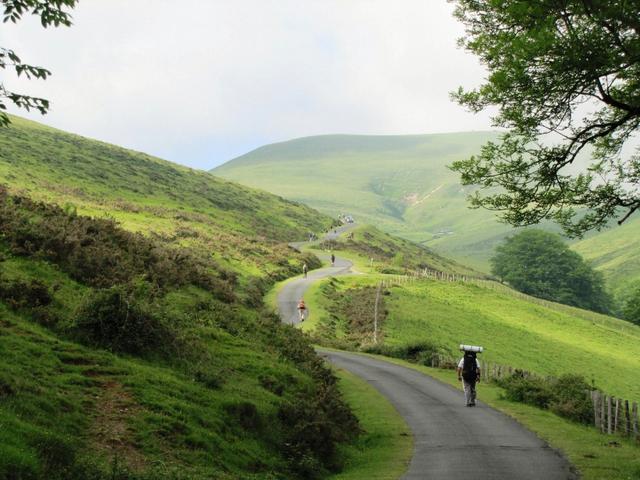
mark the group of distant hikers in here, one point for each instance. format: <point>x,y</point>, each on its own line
<point>302,308</point>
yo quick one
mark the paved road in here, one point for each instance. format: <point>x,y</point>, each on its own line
<point>453,441</point>
<point>293,291</point>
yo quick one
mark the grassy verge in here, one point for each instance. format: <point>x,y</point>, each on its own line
<point>596,456</point>
<point>384,449</point>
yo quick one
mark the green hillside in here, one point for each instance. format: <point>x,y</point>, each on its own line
<point>616,253</point>
<point>175,204</point>
<point>402,185</point>
<point>134,342</point>
<point>398,183</point>
<point>514,331</point>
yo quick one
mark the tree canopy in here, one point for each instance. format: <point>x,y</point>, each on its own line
<point>631,309</point>
<point>51,12</point>
<point>539,263</point>
<point>565,77</point>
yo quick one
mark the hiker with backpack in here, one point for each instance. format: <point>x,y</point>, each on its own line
<point>333,260</point>
<point>469,373</point>
<point>305,269</point>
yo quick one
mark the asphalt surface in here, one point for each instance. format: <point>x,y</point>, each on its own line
<point>293,291</point>
<point>451,441</point>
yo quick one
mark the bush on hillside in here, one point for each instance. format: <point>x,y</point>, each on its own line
<point>18,293</point>
<point>421,352</point>
<point>121,319</point>
<point>564,396</point>
<point>570,399</point>
<point>98,253</point>
<point>539,263</point>
<point>631,306</point>
<point>318,419</point>
<point>530,390</point>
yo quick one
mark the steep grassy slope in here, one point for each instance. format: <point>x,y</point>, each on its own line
<point>402,185</point>
<point>514,331</point>
<point>616,253</point>
<point>145,194</point>
<point>148,355</point>
<point>372,249</point>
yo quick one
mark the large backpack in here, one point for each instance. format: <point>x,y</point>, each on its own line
<point>470,367</point>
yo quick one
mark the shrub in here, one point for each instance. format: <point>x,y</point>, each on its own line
<point>119,320</point>
<point>564,396</point>
<point>20,294</point>
<point>98,253</point>
<point>571,401</point>
<point>245,414</point>
<point>417,352</point>
<point>531,390</point>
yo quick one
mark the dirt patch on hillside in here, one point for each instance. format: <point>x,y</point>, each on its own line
<point>111,435</point>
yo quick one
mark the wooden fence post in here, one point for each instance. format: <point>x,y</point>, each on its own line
<point>634,419</point>
<point>627,417</point>
<point>603,414</point>
<point>609,415</point>
<point>375,315</point>
<point>616,415</point>
<point>595,395</point>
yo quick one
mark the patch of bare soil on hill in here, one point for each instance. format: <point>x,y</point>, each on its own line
<point>110,433</point>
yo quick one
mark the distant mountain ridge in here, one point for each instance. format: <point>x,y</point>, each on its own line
<point>402,184</point>
<point>398,182</point>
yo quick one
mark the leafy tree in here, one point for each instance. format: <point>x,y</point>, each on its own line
<point>565,77</point>
<point>631,310</point>
<point>539,263</point>
<point>51,12</point>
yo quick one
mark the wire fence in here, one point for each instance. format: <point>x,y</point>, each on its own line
<point>428,274</point>
<point>611,415</point>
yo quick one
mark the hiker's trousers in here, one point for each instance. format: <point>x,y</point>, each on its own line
<point>469,391</point>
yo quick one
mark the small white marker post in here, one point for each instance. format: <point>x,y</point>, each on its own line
<point>375,314</point>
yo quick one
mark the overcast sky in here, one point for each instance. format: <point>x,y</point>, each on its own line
<point>199,82</point>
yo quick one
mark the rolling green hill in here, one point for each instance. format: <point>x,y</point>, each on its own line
<point>402,185</point>
<point>245,229</point>
<point>134,342</point>
<point>544,338</point>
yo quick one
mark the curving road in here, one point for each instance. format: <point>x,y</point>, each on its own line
<point>293,291</point>
<point>451,441</point>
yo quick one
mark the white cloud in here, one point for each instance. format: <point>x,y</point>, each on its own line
<point>207,80</point>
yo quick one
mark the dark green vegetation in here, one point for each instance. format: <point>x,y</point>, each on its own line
<point>51,13</point>
<point>546,59</point>
<point>631,310</point>
<point>402,185</point>
<point>145,352</point>
<point>540,264</point>
<point>564,396</point>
